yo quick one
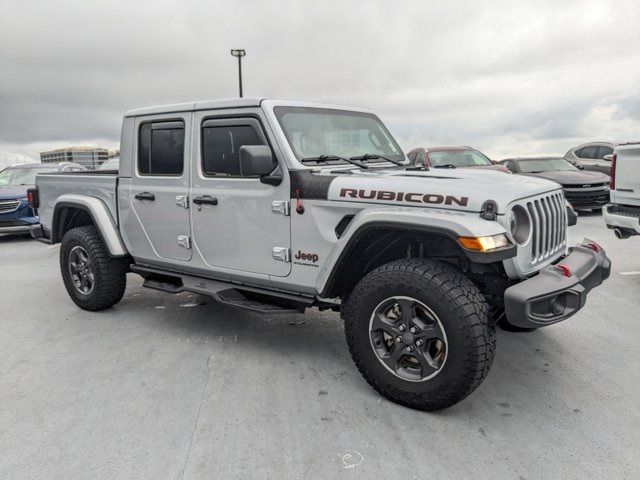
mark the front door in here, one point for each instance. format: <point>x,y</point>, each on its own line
<point>236,222</point>
<point>160,185</point>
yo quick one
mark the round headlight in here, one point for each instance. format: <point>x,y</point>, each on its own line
<point>519,224</point>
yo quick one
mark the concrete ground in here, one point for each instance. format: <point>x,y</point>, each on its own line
<point>176,387</point>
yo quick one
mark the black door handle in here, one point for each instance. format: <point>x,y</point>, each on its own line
<point>205,200</point>
<point>145,196</point>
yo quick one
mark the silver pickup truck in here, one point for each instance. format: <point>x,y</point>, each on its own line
<point>277,206</point>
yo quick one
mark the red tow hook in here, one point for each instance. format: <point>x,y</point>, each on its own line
<point>564,269</point>
<point>594,246</point>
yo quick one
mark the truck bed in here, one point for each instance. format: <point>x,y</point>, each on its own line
<point>100,184</point>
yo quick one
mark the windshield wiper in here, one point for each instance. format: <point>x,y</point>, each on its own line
<point>446,165</point>
<point>373,156</point>
<point>327,158</point>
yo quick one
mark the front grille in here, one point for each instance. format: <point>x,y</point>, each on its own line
<point>549,226</point>
<point>587,197</point>
<point>7,206</point>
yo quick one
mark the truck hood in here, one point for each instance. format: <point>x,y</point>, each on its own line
<point>459,189</point>
<point>9,193</point>
<point>572,177</point>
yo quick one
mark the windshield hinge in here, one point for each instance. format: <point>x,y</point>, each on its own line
<point>489,210</point>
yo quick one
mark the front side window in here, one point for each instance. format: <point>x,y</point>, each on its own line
<point>312,132</point>
<point>588,152</point>
<point>604,151</point>
<point>221,147</point>
<point>161,148</point>
<point>420,160</point>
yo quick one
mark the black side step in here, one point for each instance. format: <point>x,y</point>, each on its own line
<point>250,298</point>
<point>166,287</point>
<point>258,303</point>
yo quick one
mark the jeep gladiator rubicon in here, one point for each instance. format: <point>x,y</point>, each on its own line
<point>277,206</point>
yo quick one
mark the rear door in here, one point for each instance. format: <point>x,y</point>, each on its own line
<point>160,184</point>
<point>243,224</point>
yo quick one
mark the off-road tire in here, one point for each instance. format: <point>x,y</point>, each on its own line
<point>110,274</point>
<point>463,313</point>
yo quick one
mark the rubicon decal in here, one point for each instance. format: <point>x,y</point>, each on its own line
<point>429,198</point>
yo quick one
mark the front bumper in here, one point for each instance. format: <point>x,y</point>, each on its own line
<point>559,290</point>
<point>14,227</point>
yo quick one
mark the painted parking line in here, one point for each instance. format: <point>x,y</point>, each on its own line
<point>630,273</point>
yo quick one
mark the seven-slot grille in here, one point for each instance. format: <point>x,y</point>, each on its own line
<point>548,226</point>
<point>9,205</point>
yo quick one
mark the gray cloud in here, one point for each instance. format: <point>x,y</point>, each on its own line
<point>508,77</point>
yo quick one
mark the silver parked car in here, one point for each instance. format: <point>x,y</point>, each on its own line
<point>594,156</point>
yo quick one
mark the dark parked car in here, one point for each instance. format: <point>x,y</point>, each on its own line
<point>16,216</point>
<point>450,157</point>
<point>583,189</point>
<point>595,156</point>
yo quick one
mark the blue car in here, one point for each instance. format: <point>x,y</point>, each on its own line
<point>16,216</point>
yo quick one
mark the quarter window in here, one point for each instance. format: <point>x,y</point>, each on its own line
<point>161,148</point>
<point>221,147</point>
<point>420,160</point>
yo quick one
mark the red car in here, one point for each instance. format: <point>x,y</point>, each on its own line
<point>452,157</point>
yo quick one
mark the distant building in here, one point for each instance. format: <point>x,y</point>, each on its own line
<point>90,157</point>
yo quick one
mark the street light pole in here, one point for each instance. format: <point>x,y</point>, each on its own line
<point>239,52</point>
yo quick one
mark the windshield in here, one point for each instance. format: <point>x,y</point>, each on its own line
<point>13,177</point>
<point>312,132</point>
<point>535,165</point>
<point>458,158</point>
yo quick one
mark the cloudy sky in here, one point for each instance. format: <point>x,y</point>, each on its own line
<point>511,78</point>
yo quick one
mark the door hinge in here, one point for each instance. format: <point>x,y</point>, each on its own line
<point>182,201</point>
<point>281,206</point>
<point>184,241</point>
<point>282,254</point>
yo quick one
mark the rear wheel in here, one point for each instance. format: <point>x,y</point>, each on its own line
<point>93,279</point>
<point>420,333</point>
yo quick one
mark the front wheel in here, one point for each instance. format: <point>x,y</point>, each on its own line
<point>420,333</point>
<point>93,279</point>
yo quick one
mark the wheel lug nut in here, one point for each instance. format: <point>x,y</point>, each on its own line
<point>413,330</point>
<point>418,343</point>
<point>409,348</point>
<point>401,328</point>
<point>399,339</point>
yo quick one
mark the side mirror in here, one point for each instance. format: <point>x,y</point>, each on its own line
<point>608,157</point>
<point>580,166</point>
<point>256,161</point>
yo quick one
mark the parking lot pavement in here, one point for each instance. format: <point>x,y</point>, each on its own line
<point>173,387</point>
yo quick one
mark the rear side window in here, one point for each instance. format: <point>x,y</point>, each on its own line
<point>161,148</point>
<point>221,145</point>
